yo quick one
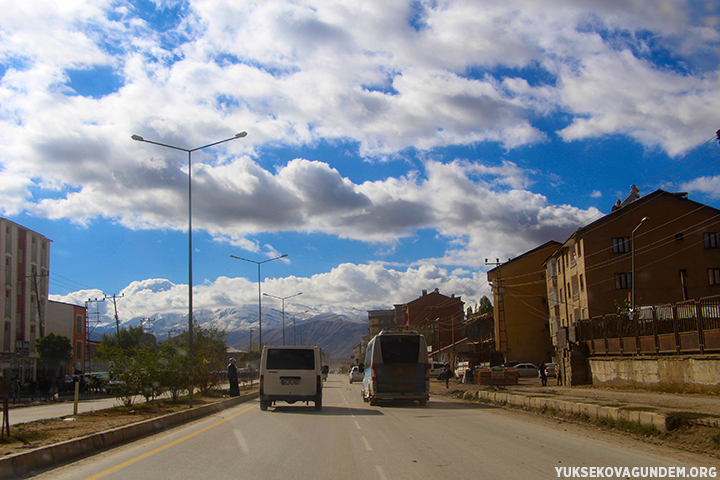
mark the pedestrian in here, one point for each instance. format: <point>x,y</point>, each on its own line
<point>447,373</point>
<point>33,388</point>
<point>559,375</point>
<point>16,389</point>
<point>543,374</point>
<point>233,379</point>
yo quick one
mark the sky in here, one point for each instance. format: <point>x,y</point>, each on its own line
<point>392,146</point>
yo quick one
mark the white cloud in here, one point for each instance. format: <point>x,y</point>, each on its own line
<point>707,185</point>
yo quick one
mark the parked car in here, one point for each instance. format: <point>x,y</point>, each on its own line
<point>527,369</point>
<point>436,369</point>
<point>356,374</point>
<point>550,370</point>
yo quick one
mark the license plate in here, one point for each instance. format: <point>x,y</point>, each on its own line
<point>290,382</point>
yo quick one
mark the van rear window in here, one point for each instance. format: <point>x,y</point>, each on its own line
<point>290,359</point>
<point>400,348</point>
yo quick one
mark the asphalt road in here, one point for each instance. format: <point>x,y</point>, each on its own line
<point>349,439</point>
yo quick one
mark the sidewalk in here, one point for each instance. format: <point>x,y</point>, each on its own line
<point>661,410</point>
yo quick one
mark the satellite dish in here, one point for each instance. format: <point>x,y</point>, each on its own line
<point>148,339</point>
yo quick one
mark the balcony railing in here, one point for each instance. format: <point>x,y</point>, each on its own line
<point>687,327</point>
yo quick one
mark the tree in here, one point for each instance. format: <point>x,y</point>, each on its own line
<point>485,306</point>
<point>54,350</point>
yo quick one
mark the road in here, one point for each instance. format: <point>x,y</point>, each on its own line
<point>55,410</point>
<point>349,439</point>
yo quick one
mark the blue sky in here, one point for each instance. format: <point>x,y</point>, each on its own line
<point>392,146</point>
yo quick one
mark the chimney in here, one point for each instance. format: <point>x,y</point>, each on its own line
<point>424,292</point>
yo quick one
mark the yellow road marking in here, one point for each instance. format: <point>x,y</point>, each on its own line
<point>127,463</point>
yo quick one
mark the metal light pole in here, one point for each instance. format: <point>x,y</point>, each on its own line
<point>632,274</point>
<point>283,309</point>
<point>138,138</point>
<point>294,315</point>
<point>259,293</point>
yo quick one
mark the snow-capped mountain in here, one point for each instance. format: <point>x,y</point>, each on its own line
<point>336,332</point>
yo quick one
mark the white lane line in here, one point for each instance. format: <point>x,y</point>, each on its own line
<point>367,444</point>
<point>357,425</point>
<point>381,474</point>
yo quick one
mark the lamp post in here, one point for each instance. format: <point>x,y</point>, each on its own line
<point>294,315</point>
<point>632,274</point>
<point>189,151</point>
<point>259,292</point>
<point>283,309</point>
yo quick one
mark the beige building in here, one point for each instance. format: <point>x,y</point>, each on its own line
<point>379,320</point>
<point>26,263</point>
<point>663,247</point>
<point>520,307</point>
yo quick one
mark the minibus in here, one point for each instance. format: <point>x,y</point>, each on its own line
<point>290,374</point>
<point>396,368</point>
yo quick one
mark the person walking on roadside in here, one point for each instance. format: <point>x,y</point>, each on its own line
<point>446,374</point>
<point>233,379</point>
<point>543,374</point>
<point>16,389</point>
<point>559,375</point>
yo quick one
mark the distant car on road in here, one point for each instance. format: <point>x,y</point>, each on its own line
<point>527,369</point>
<point>356,375</point>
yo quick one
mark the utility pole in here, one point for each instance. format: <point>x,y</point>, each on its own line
<point>250,348</point>
<point>144,321</point>
<point>37,301</point>
<point>117,320</point>
<point>90,324</point>
<point>502,340</point>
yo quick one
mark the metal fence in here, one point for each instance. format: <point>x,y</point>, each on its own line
<point>687,327</point>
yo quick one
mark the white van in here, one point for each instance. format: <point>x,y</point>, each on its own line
<point>290,374</point>
<point>396,368</point>
<point>436,368</point>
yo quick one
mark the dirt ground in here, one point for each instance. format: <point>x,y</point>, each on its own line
<point>28,436</point>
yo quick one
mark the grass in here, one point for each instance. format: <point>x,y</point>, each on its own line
<point>22,436</point>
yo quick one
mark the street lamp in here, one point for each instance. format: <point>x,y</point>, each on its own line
<point>283,308</point>
<point>259,292</point>
<point>294,315</point>
<point>138,138</point>
<point>632,274</point>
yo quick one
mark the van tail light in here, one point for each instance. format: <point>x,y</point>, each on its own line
<point>427,372</point>
<point>373,375</point>
<point>262,382</point>
<point>319,383</point>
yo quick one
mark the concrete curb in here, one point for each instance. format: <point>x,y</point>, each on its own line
<point>13,466</point>
<point>593,412</point>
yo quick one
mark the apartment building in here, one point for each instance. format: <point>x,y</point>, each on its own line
<point>380,320</point>
<point>437,315</point>
<point>520,306</point>
<point>26,263</point>
<point>70,321</point>
<point>659,249</point>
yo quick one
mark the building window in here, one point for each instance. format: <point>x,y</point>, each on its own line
<point>714,276</point>
<point>582,284</point>
<point>712,240</point>
<point>623,281</point>
<point>621,244</point>
<point>78,324</point>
